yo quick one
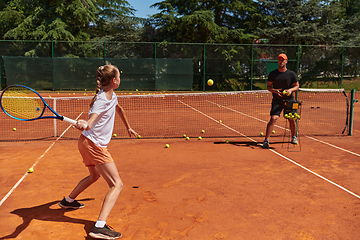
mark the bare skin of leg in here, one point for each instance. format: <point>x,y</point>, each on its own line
<point>110,174</point>
<point>86,182</point>
<point>271,123</point>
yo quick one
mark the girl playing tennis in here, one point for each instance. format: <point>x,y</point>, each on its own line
<point>97,132</point>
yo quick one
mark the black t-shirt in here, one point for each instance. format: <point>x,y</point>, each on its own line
<point>282,80</point>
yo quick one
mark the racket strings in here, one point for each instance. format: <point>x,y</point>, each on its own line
<point>22,103</point>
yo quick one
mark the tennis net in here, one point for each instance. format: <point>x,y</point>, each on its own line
<point>219,114</point>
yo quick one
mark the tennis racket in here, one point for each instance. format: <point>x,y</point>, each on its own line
<point>25,104</point>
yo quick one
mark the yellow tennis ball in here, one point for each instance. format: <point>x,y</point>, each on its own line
<point>167,145</point>
<point>202,131</point>
<point>220,121</point>
<point>199,138</point>
<point>114,135</point>
<point>262,134</point>
<point>184,135</point>
<point>187,138</point>
<point>139,136</point>
<point>31,170</point>
<point>14,129</point>
<point>273,131</point>
<point>210,82</point>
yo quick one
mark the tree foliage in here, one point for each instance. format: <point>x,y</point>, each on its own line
<point>205,21</point>
<point>69,20</point>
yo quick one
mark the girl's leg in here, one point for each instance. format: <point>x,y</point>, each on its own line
<point>86,182</point>
<point>110,174</point>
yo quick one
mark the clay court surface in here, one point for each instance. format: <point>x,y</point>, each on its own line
<point>196,189</point>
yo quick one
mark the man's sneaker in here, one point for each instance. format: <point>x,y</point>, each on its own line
<point>104,233</point>
<point>266,143</point>
<point>74,205</point>
<point>294,140</point>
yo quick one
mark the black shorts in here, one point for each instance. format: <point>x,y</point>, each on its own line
<point>277,107</point>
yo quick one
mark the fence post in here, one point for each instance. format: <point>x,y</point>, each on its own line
<point>52,64</point>
<point>104,52</point>
<point>252,66</point>
<point>342,65</point>
<point>204,74</point>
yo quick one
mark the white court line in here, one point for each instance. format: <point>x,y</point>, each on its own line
<point>33,166</point>
<point>279,154</point>
<point>329,144</point>
<point>342,149</point>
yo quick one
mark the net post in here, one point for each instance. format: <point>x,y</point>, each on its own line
<point>352,101</point>
<point>55,130</point>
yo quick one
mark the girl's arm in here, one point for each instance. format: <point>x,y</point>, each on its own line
<point>121,113</point>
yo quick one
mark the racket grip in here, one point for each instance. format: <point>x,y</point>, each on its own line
<point>69,120</point>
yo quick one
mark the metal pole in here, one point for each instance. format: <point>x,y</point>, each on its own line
<point>342,66</point>
<point>252,66</point>
<point>204,76</point>
<point>352,101</point>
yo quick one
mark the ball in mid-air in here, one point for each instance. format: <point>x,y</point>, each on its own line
<point>199,138</point>
<point>31,170</point>
<point>262,134</point>
<point>210,82</point>
<point>273,131</point>
<point>167,145</point>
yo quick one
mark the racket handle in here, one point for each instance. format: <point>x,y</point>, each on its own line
<point>69,120</point>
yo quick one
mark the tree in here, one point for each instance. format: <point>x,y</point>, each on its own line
<point>210,21</point>
<point>301,21</point>
<point>69,20</point>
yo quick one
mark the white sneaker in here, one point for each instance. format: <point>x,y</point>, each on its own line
<point>294,140</point>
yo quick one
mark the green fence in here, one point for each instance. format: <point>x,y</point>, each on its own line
<point>172,66</point>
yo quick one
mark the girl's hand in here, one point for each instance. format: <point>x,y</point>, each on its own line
<point>82,125</point>
<point>132,132</point>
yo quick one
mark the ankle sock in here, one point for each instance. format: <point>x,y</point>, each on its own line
<point>100,224</point>
<point>69,199</point>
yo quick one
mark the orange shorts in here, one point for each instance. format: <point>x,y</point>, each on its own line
<point>92,154</point>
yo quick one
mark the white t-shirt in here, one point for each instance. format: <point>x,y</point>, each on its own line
<point>102,128</point>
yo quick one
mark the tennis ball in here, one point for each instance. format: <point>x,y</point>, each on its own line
<point>139,136</point>
<point>14,129</point>
<point>199,138</point>
<point>31,170</point>
<point>202,131</point>
<point>184,135</point>
<point>114,135</point>
<point>187,138</point>
<point>273,131</point>
<point>167,145</point>
<point>284,92</point>
<point>220,121</point>
<point>227,141</point>
<point>262,134</point>
<point>210,82</point>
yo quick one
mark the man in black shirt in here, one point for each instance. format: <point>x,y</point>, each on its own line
<point>280,80</point>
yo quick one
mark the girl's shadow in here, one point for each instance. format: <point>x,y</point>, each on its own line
<point>45,213</point>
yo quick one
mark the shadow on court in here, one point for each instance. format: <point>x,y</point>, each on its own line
<point>45,213</point>
<point>254,145</point>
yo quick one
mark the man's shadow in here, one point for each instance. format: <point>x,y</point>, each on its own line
<point>45,213</point>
